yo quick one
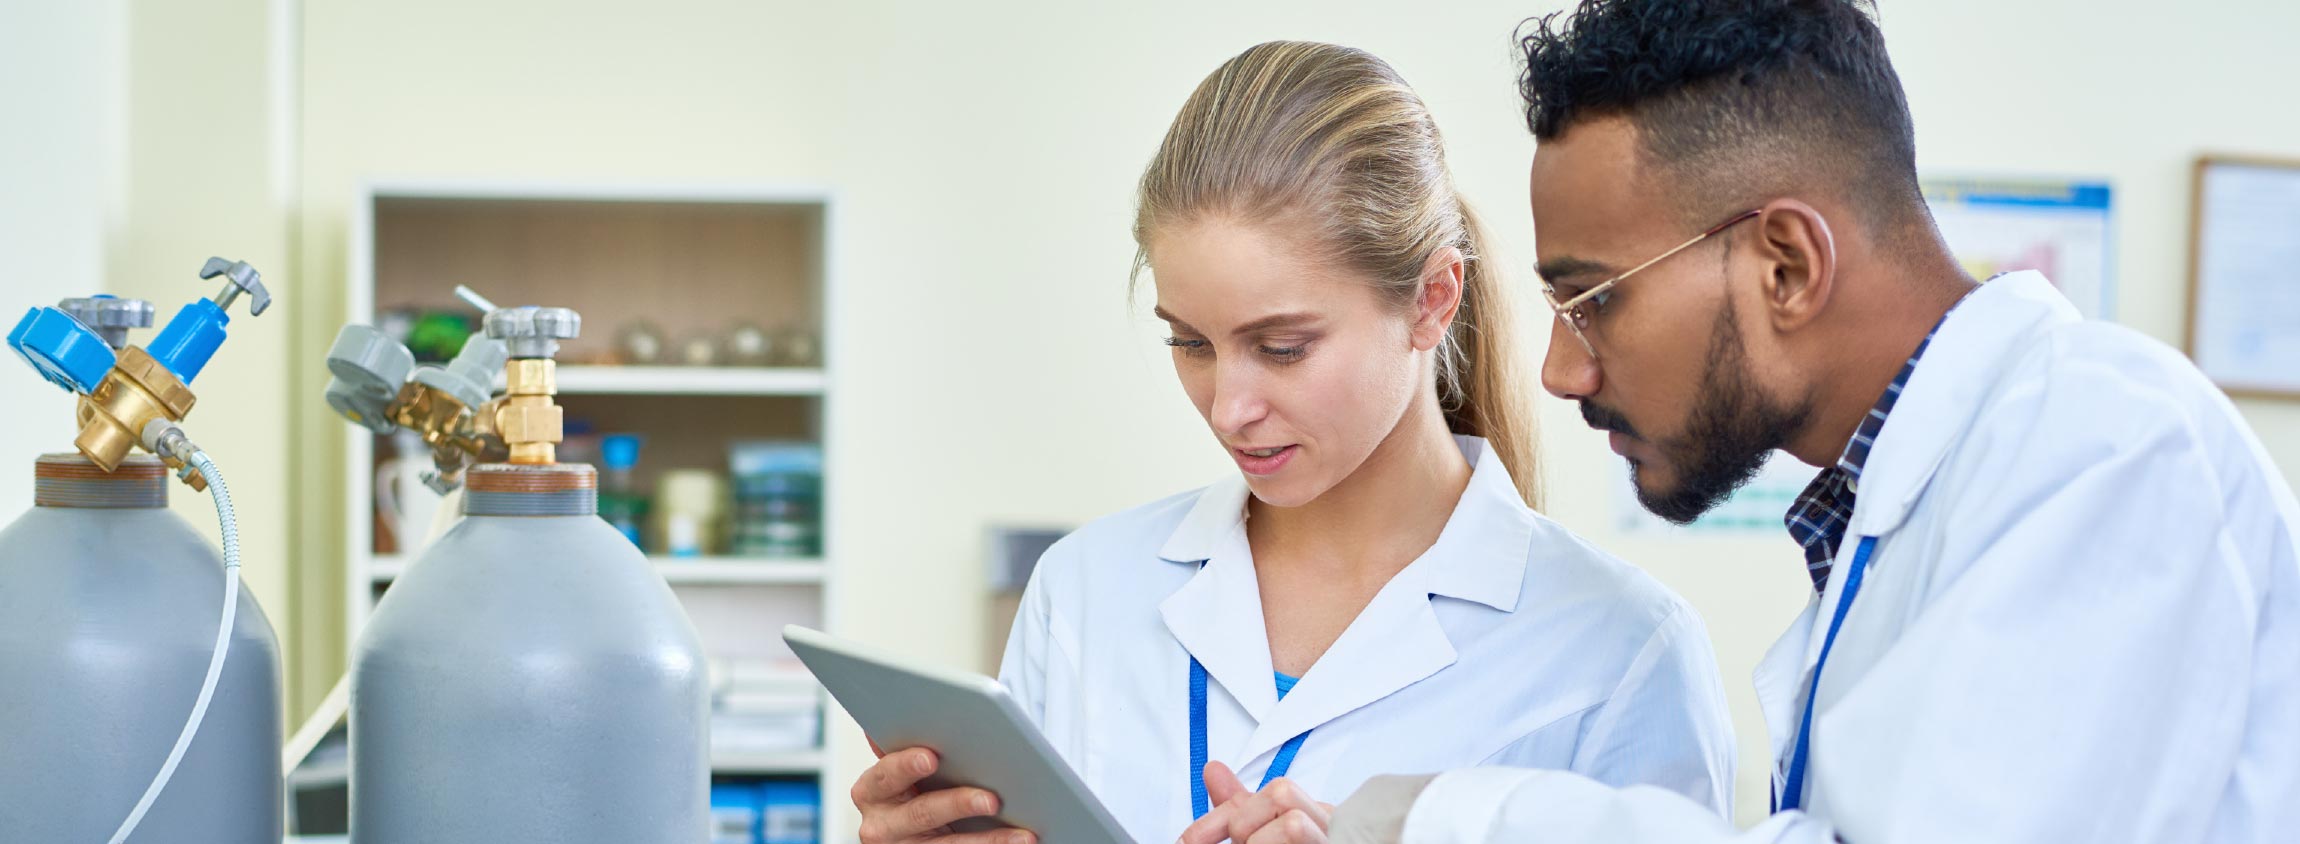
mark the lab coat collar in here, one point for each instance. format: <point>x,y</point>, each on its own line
<point>1480,556</point>
<point>1935,409</point>
<point>1943,394</point>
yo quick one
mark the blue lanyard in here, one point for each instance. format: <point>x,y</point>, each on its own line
<point>1199,804</point>
<point>1792,795</point>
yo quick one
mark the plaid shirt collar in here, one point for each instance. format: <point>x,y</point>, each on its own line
<point>1819,517</point>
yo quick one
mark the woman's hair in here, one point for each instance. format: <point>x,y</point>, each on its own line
<point>1330,140</point>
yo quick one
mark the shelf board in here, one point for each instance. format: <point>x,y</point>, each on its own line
<point>793,762</point>
<point>690,380</point>
<point>738,570</point>
<point>696,571</point>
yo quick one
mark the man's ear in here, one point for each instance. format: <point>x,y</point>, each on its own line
<point>1439,298</point>
<point>1800,261</point>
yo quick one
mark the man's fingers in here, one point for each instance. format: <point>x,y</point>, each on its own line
<point>1294,827</point>
<point>893,776</point>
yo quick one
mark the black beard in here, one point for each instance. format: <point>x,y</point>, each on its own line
<point>1732,431</point>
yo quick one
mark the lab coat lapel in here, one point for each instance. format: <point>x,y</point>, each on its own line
<point>1967,356</point>
<point>1479,557</point>
<point>1395,642</point>
<point>1780,681</point>
<point>1217,615</point>
<point>1932,413</point>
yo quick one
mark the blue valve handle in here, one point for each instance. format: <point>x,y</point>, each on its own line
<point>70,355</point>
<point>189,339</point>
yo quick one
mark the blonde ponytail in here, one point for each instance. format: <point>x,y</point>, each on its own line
<point>1480,382</point>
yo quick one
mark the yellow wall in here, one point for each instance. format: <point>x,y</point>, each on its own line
<point>989,369</point>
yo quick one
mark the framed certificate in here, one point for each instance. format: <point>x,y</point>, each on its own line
<point>2244,275</point>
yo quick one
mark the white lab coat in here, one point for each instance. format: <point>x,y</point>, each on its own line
<point>1509,642</point>
<point>2081,621</point>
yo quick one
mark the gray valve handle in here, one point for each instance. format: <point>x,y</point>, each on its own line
<point>238,278</point>
<point>442,482</point>
<point>368,367</point>
<point>470,377</point>
<point>110,317</point>
<point>531,331</point>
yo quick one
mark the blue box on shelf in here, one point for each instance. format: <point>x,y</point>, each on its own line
<point>790,812</point>
<point>735,812</point>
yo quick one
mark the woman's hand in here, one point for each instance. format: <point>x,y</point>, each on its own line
<point>894,811</point>
<point>1281,813</point>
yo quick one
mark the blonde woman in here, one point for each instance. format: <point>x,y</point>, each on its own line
<point>1373,591</point>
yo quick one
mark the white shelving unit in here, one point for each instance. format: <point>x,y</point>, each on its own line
<point>679,571</point>
<point>690,380</point>
<point>687,257</point>
<point>808,762</point>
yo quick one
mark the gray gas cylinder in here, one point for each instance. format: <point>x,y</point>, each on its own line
<point>530,678</point>
<point>108,613</point>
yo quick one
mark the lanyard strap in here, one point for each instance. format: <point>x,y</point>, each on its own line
<point>1199,804</point>
<point>1792,795</point>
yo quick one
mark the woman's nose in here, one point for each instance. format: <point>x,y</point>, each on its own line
<point>1238,401</point>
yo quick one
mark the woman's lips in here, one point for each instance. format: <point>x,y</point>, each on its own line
<point>1263,461</point>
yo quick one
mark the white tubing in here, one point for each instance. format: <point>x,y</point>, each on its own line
<point>231,530</point>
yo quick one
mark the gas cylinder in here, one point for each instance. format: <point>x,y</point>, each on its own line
<point>530,677</point>
<point>108,618</point>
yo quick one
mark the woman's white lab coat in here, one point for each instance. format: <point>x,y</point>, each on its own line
<point>1509,642</point>
<point>2081,620</point>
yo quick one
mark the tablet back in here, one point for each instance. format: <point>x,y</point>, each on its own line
<point>982,736</point>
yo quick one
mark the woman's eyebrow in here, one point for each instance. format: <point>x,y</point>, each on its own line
<point>1283,320</point>
<point>1159,311</point>
<point>1286,320</point>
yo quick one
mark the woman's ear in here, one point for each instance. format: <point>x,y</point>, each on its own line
<point>1438,298</point>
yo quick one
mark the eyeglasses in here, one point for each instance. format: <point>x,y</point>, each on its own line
<point>1574,312</point>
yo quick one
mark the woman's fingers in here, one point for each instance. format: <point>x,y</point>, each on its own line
<point>995,836</point>
<point>1289,795</point>
<point>1222,785</point>
<point>893,776</point>
<point>927,817</point>
<point>1294,827</point>
<point>1247,815</point>
<point>1214,828</point>
<point>928,813</point>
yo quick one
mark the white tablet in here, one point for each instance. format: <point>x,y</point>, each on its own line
<point>982,736</point>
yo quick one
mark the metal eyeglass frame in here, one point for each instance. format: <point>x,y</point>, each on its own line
<point>1569,311</point>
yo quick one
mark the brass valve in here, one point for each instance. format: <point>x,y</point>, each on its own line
<point>125,390</point>
<point>137,391</point>
<point>526,418</point>
<point>453,431</point>
<point>377,385</point>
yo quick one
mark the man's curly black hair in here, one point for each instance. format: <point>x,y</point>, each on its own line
<point>1734,99</point>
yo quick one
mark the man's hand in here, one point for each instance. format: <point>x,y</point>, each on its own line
<point>1280,813</point>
